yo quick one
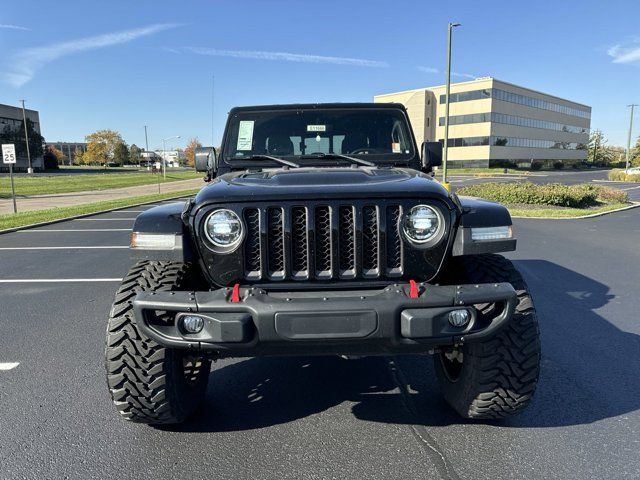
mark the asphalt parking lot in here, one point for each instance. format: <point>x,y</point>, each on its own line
<point>320,418</point>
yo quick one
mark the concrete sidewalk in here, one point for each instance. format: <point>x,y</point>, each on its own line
<point>57,200</point>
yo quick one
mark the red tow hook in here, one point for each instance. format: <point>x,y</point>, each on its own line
<point>235,293</point>
<point>413,289</point>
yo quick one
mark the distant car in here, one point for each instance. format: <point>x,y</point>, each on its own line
<point>632,171</point>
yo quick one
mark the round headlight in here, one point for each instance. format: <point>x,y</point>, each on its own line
<point>422,224</point>
<point>223,228</point>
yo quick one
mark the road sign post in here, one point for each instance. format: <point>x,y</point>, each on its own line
<point>9,157</point>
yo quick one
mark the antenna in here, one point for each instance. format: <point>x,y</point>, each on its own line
<point>213,96</point>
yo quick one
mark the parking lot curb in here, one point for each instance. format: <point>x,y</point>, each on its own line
<point>592,215</point>
<point>58,220</point>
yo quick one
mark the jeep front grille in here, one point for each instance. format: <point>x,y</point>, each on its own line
<point>323,242</point>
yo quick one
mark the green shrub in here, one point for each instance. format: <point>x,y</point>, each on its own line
<point>617,175</point>
<point>621,176</point>
<point>536,166</point>
<point>611,195</point>
<point>554,194</point>
<point>558,165</point>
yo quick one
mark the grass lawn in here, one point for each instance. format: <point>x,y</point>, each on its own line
<point>41,185</point>
<point>537,211</point>
<point>38,216</point>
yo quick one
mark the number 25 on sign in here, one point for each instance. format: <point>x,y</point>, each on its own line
<point>9,157</point>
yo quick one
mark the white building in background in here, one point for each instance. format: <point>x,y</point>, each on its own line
<point>174,158</point>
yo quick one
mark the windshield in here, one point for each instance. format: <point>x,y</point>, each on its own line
<point>374,134</point>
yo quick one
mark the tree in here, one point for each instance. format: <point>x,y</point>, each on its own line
<point>121,153</point>
<point>50,160</point>
<point>59,156</point>
<point>17,137</point>
<point>77,156</point>
<point>135,154</point>
<point>597,145</point>
<point>634,155</point>
<point>190,151</point>
<point>101,146</point>
<point>598,150</point>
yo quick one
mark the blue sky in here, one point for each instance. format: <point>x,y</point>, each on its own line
<point>125,64</point>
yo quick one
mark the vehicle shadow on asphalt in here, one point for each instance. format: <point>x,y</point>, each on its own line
<point>589,373</point>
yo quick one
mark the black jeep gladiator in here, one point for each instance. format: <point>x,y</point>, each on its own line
<point>321,232</point>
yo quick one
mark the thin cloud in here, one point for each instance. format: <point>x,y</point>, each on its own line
<point>12,27</point>
<point>428,69</point>
<point>453,74</point>
<point>625,53</point>
<point>285,57</point>
<point>28,61</point>
<point>465,75</point>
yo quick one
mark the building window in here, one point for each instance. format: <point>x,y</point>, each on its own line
<point>505,96</point>
<point>428,121</point>
<point>512,120</point>
<point>512,142</point>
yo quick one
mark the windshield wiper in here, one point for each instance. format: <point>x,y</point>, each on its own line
<point>359,161</point>
<point>269,157</point>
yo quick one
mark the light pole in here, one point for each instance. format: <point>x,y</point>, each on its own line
<point>164,159</point>
<point>446,107</point>
<point>629,136</point>
<point>26,137</point>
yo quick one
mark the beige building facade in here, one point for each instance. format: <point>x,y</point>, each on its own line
<point>495,123</point>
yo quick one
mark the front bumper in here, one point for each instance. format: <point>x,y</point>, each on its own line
<point>366,322</point>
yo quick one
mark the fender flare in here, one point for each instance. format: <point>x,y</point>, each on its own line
<point>478,213</point>
<point>167,221</point>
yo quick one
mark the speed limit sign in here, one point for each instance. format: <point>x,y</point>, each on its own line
<point>9,153</point>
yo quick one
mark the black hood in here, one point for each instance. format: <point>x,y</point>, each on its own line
<point>320,183</point>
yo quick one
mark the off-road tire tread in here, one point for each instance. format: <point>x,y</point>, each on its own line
<point>144,378</point>
<point>501,373</point>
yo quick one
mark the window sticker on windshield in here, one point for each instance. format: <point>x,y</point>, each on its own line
<point>316,128</point>
<point>245,135</point>
<point>395,148</point>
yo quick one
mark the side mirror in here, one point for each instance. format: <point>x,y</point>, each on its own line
<point>206,160</point>
<point>431,155</point>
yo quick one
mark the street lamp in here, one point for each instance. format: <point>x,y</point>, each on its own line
<point>164,158</point>
<point>446,107</point>
<point>26,138</point>
<point>629,136</point>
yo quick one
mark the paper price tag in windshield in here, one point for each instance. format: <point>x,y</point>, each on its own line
<point>9,153</point>
<point>316,128</point>
<point>245,135</point>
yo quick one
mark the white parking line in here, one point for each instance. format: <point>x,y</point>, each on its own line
<point>101,219</point>
<point>83,247</point>
<point>4,366</point>
<point>76,230</point>
<point>59,280</point>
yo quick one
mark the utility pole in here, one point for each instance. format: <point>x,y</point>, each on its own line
<point>629,136</point>
<point>445,147</point>
<point>26,137</point>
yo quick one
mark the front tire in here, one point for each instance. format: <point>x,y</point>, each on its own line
<point>149,383</point>
<point>495,378</point>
